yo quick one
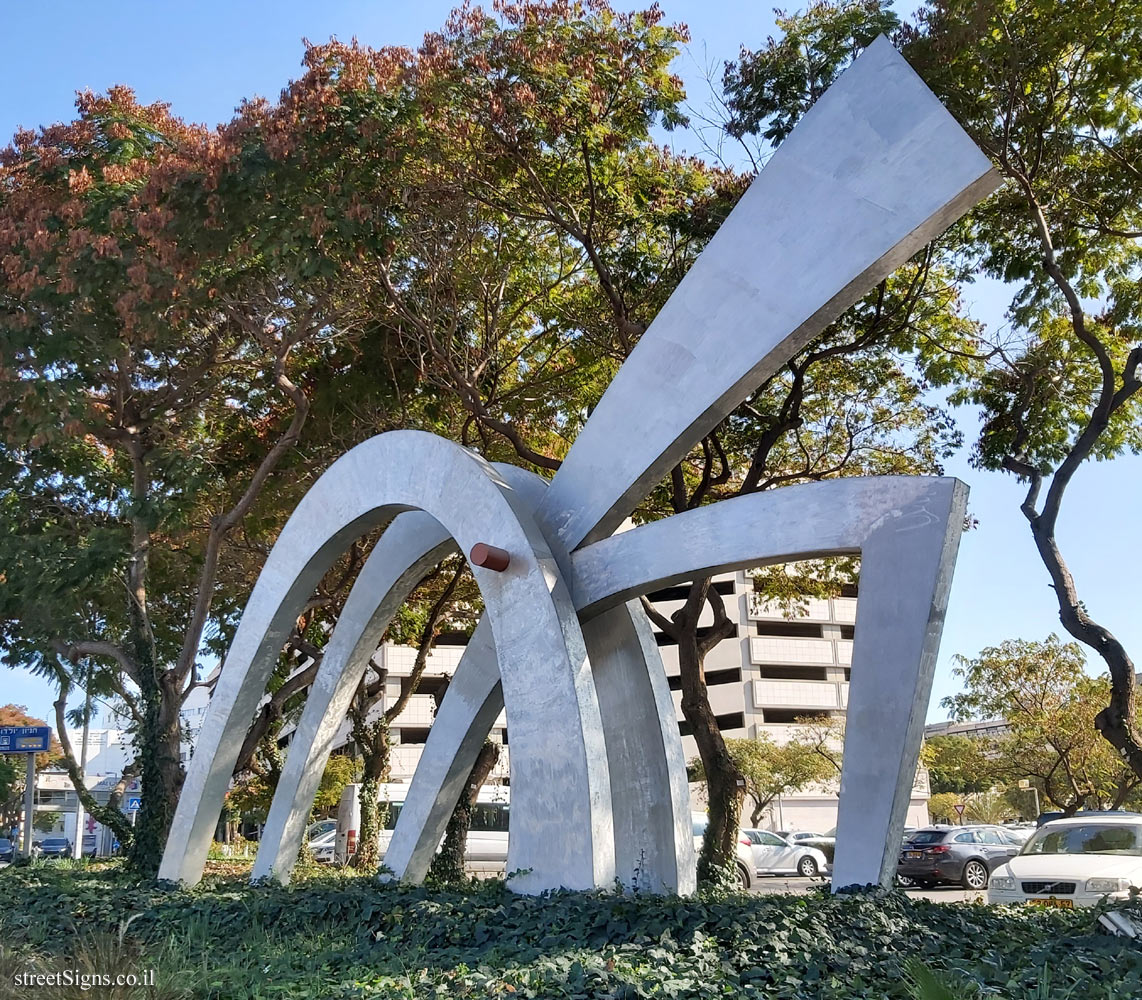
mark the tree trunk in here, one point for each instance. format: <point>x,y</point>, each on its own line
<point>110,814</point>
<point>159,743</point>
<point>1116,722</point>
<point>375,752</point>
<point>448,865</point>
<point>758,811</point>
<point>725,784</point>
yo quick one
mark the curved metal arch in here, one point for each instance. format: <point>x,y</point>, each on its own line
<point>564,797</point>
<point>408,549</point>
<point>648,833</point>
<point>907,531</point>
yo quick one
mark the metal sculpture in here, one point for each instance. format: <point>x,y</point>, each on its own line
<point>875,170</point>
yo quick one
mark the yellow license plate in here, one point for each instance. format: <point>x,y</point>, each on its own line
<point>1062,904</point>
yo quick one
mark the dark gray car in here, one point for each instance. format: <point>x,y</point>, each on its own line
<point>55,847</point>
<point>958,855</point>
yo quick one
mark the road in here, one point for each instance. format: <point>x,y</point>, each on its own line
<point>939,894</point>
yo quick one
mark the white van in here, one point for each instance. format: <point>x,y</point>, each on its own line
<point>487,847</point>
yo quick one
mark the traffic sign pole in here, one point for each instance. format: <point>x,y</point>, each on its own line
<point>29,740</point>
<point>29,804</point>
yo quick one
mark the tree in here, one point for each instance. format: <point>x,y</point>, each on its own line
<point>448,863</point>
<point>1052,95</point>
<point>166,295</point>
<point>990,806</point>
<point>370,730</point>
<point>10,788</point>
<point>767,91</point>
<point>340,770</point>
<point>771,769</point>
<point>942,807</point>
<point>1049,704</point>
<point>958,764</point>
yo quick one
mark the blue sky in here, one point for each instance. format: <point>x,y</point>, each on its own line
<point>205,57</point>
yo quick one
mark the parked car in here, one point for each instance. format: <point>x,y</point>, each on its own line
<point>486,849</point>
<point>320,828</point>
<point>774,855</point>
<point>89,845</point>
<point>1071,862</point>
<point>7,849</point>
<point>796,836</point>
<point>55,847</point>
<point>323,845</point>
<point>1020,832</point>
<point>826,843</point>
<point>963,855</point>
<point>744,866</point>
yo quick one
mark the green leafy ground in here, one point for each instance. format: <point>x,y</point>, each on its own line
<point>336,938</point>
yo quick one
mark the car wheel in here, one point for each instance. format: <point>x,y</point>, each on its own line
<point>807,867</point>
<point>975,875</point>
<point>743,876</point>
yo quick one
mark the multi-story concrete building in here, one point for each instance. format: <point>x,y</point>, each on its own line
<point>772,673</point>
<point>409,730</point>
<point>988,728</point>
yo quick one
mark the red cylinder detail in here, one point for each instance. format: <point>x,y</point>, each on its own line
<point>489,557</point>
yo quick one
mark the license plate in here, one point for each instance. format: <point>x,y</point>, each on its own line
<point>1062,904</point>
<point>913,854</point>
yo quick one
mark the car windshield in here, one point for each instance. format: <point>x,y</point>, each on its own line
<point>54,842</point>
<point>927,836</point>
<point>1087,838</point>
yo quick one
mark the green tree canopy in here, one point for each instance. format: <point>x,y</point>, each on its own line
<point>1049,702</point>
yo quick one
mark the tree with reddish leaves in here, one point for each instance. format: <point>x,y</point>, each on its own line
<point>167,296</point>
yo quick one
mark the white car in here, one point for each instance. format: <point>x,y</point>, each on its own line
<point>774,855</point>
<point>1072,862</point>
<point>745,868</point>
<point>797,836</point>
<point>322,846</point>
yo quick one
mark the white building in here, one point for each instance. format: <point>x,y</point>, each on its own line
<point>409,730</point>
<point>773,672</point>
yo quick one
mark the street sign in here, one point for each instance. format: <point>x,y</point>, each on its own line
<point>25,739</point>
<point>959,808</point>
<point>29,740</point>
<point>134,804</point>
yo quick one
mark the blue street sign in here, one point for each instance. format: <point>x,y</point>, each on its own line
<point>25,739</point>
<point>134,804</point>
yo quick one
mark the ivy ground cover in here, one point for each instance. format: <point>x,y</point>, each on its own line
<point>333,937</point>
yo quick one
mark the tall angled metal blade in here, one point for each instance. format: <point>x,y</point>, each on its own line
<point>874,171</point>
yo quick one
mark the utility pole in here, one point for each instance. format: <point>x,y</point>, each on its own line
<point>83,765</point>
